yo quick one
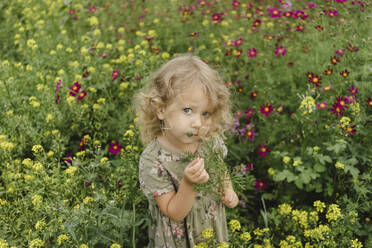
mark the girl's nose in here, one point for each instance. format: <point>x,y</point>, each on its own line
<point>196,122</point>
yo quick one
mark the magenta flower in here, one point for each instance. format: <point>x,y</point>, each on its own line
<point>235,3</point>
<point>92,9</point>
<point>238,114</point>
<point>81,95</point>
<point>337,109</point>
<point>263,150</point>
<point>114,148</point>
<point>340,52</point>
<point>275,13</point>
<point>252,52</point>
<point>216,18</point>
<point>238,42</point>
<point>266,109</point>
<point>253,95</point>
<point>280,51</point>
<point>248,112</point>
<point>334,60</point>
<point>322,105</point>
<point>369,102</point>
<point>68,158</point>
<point>350,130</point>
<point>58,85</point>
<point>260,184</point>
<point>345,73</point>
<point>298,13</point>
<point>300,28</point>
<point>350,99</point>
<point>250,134</point>
<point>288,14</point>
<point>327,88</point>
<point>341,101</point>
<point>75,88</point>
<point>246,168</point>
<point>353,90</point>
<point>58,99</point>
<point>115,74</point>
<point>332,13</point>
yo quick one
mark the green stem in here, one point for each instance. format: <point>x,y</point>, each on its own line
<point>134,227</point>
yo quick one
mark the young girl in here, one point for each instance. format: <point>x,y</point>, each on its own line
<point>184,102</point>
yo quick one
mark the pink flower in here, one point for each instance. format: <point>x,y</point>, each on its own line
<point>280,51</point>
<point>58,99</point>
<point>340,52</point>
<point>81,95</point>
<point>248,112</point>
<point>238,42</point>
<point>332,13</point>
<point>260,184</point>
<point>216,18</point>
<point>246,168</point>
<point>298,13</point>
<point>250,134</point>
<point>68,158</point>
<point>253,95</point>
<point>353,90</point>
<point>115,74</point>
<point>322,105</point>
<point>263,150</point>
<point>252,52</point>
<point>92,9</point>
<point>114,148</point>
<point>238,114</point>
<point>75,88</point>
<point>275,13</point>
<point>266,109</point>
<point>58,85</point>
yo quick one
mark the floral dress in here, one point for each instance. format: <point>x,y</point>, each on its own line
<point>158,166</point>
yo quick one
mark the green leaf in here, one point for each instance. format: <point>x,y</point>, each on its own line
<point>353,171</point>
<point>319,168</point>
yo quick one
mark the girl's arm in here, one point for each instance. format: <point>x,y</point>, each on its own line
<point>230,199</point>
<point>176,205</point>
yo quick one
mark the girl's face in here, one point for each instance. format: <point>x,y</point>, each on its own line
<point>186,118</point>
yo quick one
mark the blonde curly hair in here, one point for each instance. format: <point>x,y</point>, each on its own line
<point>169,81</point>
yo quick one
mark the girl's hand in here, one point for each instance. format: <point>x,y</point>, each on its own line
<point>230,199</point>
<point>195,172</point>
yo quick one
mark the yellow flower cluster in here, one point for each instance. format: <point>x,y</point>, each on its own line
<point>356,244</point>
<point>245,236</point>
<point>37,149</point>
<point>87,200</point>
<point>36,243</point>
<point>71,170</point>
<point>285,209</point>
<point>339,165</point>
<point>234,225</point>
<point>300,217</point>
<point>259,232</point>
<point>344,122</point>
<point>208,233</point>
<point>320,206</point>
<point>40,225</point>
<point>286,159</point>
<point>317,233</point>
<point>3,243</point>
<point>333,213</point>
<point>223,245</point>
<point>201,245</point>
<point>290,242</point>
<point>62,238</point>
<point>307,105</point>
<point>83,246</point>
<point>37,200</point>
<point>115,245</point>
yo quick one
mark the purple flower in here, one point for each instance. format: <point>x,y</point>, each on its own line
<point>114,148</point>
<point>115,74</point>
<point>280,51</point>
<point>260,184</point>
<point>321,105</point>
<point>263,150</point>
<point>58,84</point>
<point>353,90</point>
<point>252,52</point>
<point>275,13</point>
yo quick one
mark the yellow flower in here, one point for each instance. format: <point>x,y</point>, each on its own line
<point>234,225</point>
<point>271,171</point>
<point>339,165</point>
<point>286,159</point>
<point>201,245</point>
<point>38,166</point>
<point>129,132</point>
<point>93,21</point>
<point>320,206</point>
<point>300,217</point>
<point>37,149</point>
<point>334,213</point>
<point>104,160</point>
<point>245,236</point>
<point>83,246</point>
<point>115,245</point>
<point>28,162</point>
<point>40,225</point>
<point>285,209</point>
<point>223,245</point>
<point>317,233</point>
<point>165,55</point>
<point>208,233</point>
<point>259,232</point>
<point>356,244</point>
<point>37,200</point>
<point>35,243</point>
<point>296,161</point>
<point>62,238</point>
<point>71,170</point>
<point>87,200</point>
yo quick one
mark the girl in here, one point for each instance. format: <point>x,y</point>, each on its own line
<point>184,102</point>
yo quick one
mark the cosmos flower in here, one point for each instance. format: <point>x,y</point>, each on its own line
<point>250,134</point>
<point>334,60</point>
<point>300,28</point>
<point>263,150</point>
<point>280,51</point>
<point>252,52</point>
<point>352,48</point>
<point>298,14</point>
<point>68,158</point>
<point>257,23</point>
<point>92,9</point>
<point>115,74</point>
<point>81,95</point>
<point>275,13</point>
<point>316,80</point>
<point>340,52</point>
<point>350,99</point>
<point>260,184</point>
<point>328,72</point>
<point>288,14</point>
<point>341,101</point>
<point>245,168</point>
<point>310,75</point>
<point>114,148</point>
<point>238,114</point>
<point>369,102</point>
<point>238,42</point>
<point>75,88</point>
<point>235,3</point>
<point>237,53</point>
<point>248,112</point>
<point>350,130</point>
<point>216,18</point>
<point>279,109</point>
<point>58,99</point>
<point>327,88</point>
<point>253,95</point>
<point>266,109</point>
<point>336,109</point>
<point>345,73</point>
<point>318,27</point>
<point>353,90</point>
<point>332,13</point>
<point>321,105</point>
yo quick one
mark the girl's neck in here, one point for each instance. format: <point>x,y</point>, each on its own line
<point>179,148</point>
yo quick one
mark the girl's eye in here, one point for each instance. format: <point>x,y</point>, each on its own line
<point>187,110</point>
<point>206,114</point>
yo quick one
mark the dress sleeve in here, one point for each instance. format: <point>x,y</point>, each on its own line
<point>154,179</point>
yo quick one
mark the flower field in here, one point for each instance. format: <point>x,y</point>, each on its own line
<point>300,147</point>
